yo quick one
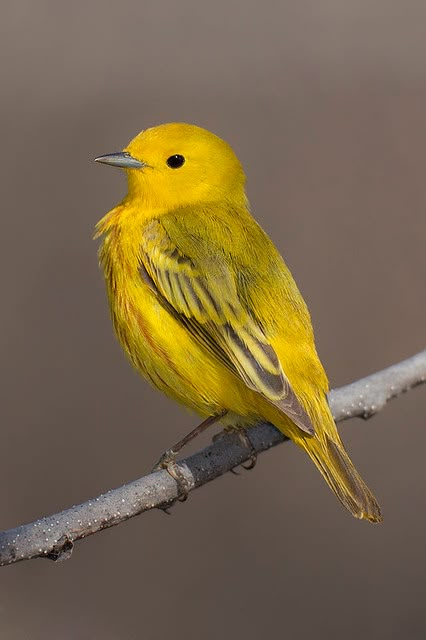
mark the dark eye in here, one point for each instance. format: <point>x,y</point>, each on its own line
<point>176,161</point>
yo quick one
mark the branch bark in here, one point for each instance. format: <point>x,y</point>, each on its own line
<point>54,536</point>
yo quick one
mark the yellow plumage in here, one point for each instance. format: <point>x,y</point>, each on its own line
<point>204,305</point>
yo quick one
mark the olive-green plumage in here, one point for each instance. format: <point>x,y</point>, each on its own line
<point>204,305</point>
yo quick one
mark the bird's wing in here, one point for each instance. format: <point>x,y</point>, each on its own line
<point>200,292</point>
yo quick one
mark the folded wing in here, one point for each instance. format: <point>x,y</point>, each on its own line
<point>201,293</point>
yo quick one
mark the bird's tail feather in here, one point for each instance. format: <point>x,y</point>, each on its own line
<point>335,465</point>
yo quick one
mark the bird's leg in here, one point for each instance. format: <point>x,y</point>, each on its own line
<point>168,459</point>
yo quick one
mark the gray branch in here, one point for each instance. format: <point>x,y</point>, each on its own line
<point>54,536</point>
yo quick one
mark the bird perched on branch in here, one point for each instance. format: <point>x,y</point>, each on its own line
<point>205,307</point>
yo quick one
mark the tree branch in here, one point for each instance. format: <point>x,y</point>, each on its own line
<point>53,537</point>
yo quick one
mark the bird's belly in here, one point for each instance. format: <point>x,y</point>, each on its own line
<point>165,353</point>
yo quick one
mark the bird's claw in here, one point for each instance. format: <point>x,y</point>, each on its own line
<point>168,463</point>
<point>167,457</point>
<point>251,463</point>
<point>243,436</point>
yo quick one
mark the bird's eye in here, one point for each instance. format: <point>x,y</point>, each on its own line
<point>176,161</point>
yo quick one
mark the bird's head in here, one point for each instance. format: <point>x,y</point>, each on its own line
<point>178,164</point>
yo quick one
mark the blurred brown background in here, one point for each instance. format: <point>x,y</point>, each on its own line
<point>325,104</point>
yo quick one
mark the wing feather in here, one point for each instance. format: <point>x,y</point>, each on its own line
<point>209,307</point>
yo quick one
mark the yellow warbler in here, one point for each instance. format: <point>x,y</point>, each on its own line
<point>204,305</point>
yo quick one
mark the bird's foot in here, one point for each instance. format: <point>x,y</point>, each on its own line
<point>168,462</point>
<point>244,437</point>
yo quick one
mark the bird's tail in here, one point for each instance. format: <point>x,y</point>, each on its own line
<point>335,465</point>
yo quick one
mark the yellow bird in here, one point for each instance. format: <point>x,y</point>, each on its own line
<point>204,305</point>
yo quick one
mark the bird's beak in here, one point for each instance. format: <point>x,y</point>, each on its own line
<point>121,159</point>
